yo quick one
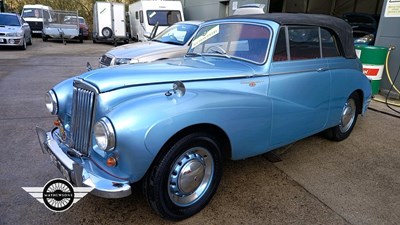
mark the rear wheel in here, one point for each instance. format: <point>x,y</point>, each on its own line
<point>80,36</point>
<point>107,32</point>
<point>347,120</point>
<point>184,179</point>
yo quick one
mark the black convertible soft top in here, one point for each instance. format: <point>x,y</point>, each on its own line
<point>339,26</point>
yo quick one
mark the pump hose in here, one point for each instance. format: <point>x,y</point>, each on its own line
<point>390,80</point>
<point>387,71</point>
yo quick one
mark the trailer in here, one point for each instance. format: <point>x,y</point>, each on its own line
<point>63,25</point>
<point>144,15</point>
<point>109,23</point>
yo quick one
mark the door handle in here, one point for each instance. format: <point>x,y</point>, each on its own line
<point>322,69</point>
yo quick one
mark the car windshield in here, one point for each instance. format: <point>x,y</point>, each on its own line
<point>32,13</point>
<point>9,20</point>
<point>163,17</point>
<point>178,34</point>
<point>244,41</point>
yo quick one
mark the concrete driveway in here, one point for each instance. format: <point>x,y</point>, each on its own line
<point>356,181</point>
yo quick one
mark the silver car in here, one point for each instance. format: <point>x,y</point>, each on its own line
<point>172,42</point>
<point>14,31</point>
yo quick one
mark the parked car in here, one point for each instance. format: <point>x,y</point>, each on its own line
<point>83,27</point>
<point>172,42</point>
<point>365,27</point>
<point>14,31</point>
<point>250,9</point>
<point>247,85</point>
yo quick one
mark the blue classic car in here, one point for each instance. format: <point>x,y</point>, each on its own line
<point>247,85</point>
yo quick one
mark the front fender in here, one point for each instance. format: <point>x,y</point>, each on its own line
<point>143,125</point>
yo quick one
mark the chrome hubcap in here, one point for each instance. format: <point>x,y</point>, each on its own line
<point>190,176</point>
<point>348,115</point>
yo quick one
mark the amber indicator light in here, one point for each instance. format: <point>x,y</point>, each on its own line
<point>111,162</point>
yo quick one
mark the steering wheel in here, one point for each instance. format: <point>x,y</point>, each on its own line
<point>216,48</point>
<point>173,38</point>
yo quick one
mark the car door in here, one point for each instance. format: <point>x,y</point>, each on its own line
<point>299,85</point>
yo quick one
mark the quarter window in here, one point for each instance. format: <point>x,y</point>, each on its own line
<point>329,45</point>
<point>280,53</point>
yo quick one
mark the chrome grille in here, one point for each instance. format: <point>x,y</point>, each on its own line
<point>35,25</point>
<point>105,60</point>
<point>81,118</point>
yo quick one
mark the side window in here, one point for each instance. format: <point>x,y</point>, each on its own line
<point>141,16</point>
<point>280,53</point>
<point>46,14</point>
<point>304,42</point>
<point>329,44</point>
<point>137,15</point>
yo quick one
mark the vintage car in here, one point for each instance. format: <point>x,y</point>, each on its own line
<point>247,85</point>
<point>172,42</point>
<point>14,31</point>
<point>365,27</point>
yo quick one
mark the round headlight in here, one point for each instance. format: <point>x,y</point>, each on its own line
<point>104,134</point>
<point>51,102</point>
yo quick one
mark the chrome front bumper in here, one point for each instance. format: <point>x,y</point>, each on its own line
<point>77,174</point>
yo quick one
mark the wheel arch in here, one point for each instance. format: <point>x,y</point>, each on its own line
<point>216,132</point>
<point>360,103</point>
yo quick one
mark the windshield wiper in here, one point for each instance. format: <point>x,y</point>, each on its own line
<point>193,54</point>
<point>170,42</point>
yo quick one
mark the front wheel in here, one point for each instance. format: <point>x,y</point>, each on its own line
<point>184,179</point>
<point>23,46</point>
<point>348,119</point>
<point>30,41</point>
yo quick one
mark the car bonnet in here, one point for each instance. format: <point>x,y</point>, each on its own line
<point>185,69</point>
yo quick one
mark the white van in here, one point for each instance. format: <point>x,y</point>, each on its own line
<point>250,9</point>
<point>143,15</point>
<point>109,22</point>
<point>34,16</point>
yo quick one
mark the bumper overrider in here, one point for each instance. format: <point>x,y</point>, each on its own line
<point>82,171</point>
